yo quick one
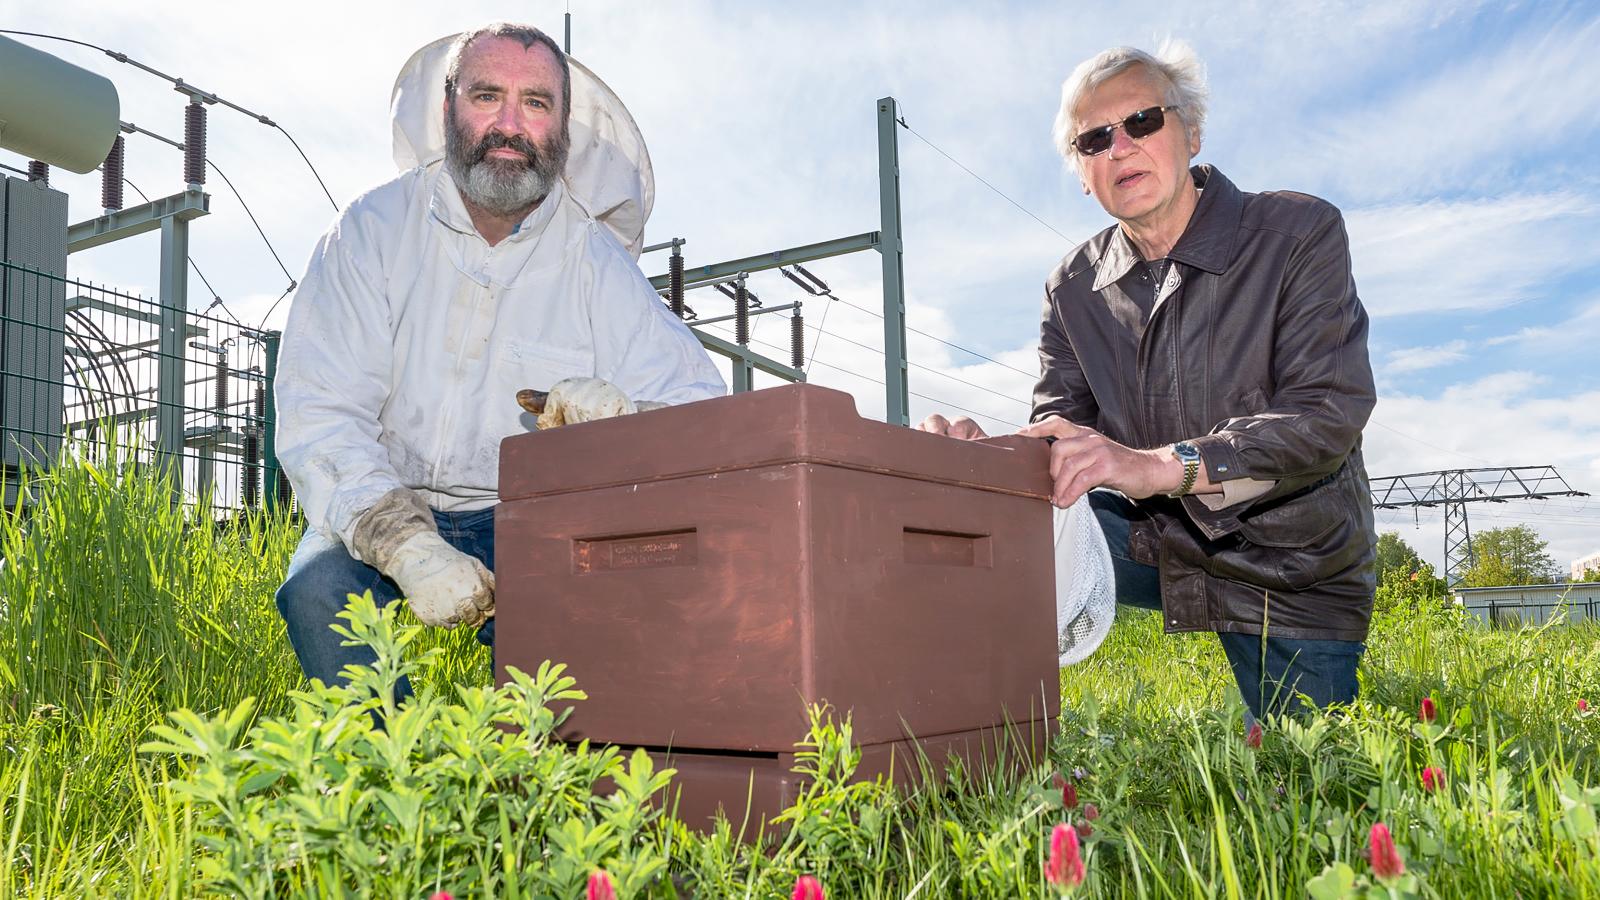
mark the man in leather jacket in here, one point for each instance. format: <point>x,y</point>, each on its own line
<point>1206,360</point>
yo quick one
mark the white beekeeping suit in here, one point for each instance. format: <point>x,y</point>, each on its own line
<point>410,336</point>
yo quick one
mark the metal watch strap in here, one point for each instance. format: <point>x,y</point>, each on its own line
<point>1186,453</point>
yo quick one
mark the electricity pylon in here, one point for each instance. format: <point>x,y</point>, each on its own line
<point>1455,488</point>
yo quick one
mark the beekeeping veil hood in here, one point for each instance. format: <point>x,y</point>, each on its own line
<point>608,170</point>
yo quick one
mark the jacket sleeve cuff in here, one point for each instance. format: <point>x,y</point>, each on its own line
<point>1221,463</point>
<point>1219,457</point>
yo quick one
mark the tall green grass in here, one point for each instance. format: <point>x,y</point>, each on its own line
<point>117,608</point>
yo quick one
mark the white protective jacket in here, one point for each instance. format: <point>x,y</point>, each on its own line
<point>409,336</point>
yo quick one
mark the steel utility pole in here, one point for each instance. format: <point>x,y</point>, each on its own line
<point>1455,488</point>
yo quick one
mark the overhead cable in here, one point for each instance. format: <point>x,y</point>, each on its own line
<point>982,180</point>
<point>194,92</point>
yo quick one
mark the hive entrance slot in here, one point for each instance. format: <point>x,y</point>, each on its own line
<point>928,547</point>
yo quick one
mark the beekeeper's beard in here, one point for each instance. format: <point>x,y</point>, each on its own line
<point>503,186</point>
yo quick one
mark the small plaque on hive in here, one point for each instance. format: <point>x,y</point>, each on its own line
<point>635,551</point>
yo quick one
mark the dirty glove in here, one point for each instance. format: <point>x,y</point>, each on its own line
<point>573,400</point>
<point>443,586</point>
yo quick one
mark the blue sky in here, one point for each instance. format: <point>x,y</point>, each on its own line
<point>1458,138</point>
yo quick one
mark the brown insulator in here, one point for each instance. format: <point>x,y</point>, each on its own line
<point>194,143</point>
<point>250,472</point>
<point>38,171</point>
<point>675,282</point>
<point>797,340</point>
<point>111,178</point>
<point>741,314</point>
<point>220,392</point>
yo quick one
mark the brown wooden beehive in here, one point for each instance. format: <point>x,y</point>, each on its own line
<point>708,570</point>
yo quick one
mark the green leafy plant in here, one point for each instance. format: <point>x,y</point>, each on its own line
<point>474,795</point>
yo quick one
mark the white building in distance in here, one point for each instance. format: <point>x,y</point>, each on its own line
<point>1580,566</point>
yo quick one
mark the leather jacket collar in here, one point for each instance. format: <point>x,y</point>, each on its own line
<point>1208,243</point>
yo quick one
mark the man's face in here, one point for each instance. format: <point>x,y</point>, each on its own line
<point>1136,180</point>
<point>506,137</point>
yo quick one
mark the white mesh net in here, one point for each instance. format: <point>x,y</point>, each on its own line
<point>1086,597</point>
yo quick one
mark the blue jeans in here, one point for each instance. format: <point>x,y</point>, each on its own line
<point>317,590</point>
<point>1272,672</point>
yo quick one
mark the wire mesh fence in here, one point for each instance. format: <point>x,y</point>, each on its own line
<point>85,368</point>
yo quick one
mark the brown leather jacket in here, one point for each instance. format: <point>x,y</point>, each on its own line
<point>1259,358</point>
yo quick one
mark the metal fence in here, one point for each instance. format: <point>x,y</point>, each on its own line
<point>85,367</point>
<point>1512,614</point>
<point>1519,605</point>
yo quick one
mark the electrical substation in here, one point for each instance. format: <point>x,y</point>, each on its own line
<point>191,391</point>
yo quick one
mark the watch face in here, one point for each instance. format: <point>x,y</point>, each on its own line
<point>1185,451</point>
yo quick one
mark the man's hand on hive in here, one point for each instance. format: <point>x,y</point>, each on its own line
<point>573,400</point>
<point>1083,459</point>
<point>960,427</point>
<point>442,585</point>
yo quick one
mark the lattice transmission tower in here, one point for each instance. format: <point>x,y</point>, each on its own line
<point>1455,488</point>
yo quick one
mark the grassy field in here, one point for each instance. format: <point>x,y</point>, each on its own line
<point>116,610</point>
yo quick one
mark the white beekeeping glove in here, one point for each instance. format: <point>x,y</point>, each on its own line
<point>442,585</point>
<point>573,400</point>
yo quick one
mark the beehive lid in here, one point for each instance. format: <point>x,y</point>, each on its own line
<point>800,423</point>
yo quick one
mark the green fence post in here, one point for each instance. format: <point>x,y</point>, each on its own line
<point>269,425</point>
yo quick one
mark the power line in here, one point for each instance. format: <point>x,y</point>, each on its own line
<point>821,332</point>
<point>878,381</point>
<point>237,196</point>
<point>247,211</point>
<point>216,299</point>
<point>877,315</point>
<point>1008,397</point>
<point>985,183</point>
<point>1426,444</point>
<point>274,305</point>
<point>194,92</point>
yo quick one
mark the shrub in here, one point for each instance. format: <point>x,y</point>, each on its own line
<point>473,796</point>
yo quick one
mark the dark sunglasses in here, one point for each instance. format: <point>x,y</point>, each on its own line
<point>1141,124</point>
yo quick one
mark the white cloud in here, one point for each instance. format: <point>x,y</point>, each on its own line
<point>1469,254</point>
<point>1580,330</point>
<point>1467,124</point>
<point>1415,359</point>
<point>1514,418</point>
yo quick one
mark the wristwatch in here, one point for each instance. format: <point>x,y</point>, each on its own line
<point>1190,457</point>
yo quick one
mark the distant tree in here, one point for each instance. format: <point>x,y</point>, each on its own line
<point>1592,574</point>
<point>1404,580</point>
<point>1395,555</point>
<point>1508,556</point>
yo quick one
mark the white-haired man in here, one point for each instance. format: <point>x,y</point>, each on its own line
<point>1205,359</point>
<point>431,302</point>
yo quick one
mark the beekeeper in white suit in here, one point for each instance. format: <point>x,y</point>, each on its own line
<point>503,257</point>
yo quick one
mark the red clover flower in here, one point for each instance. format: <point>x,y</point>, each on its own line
<point>1065,868</point>
<point>1432,778</point>
<point>1252,738</point>
<point>1384,855</point>
<point>807,887</point>
<point>1069,793</point>
<point>600,886</point>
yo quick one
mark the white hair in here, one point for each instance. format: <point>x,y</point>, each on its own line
<point>1174,63</point>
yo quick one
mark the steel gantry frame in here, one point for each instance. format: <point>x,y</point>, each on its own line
<point>1455,488</point>
<point>886,240</point>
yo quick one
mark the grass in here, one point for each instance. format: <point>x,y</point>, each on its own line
<point>116,609</point>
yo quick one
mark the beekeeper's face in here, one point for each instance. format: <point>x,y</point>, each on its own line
<point>505,128</point>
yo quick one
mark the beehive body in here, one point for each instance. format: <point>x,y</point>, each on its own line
<point>707,571</point>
